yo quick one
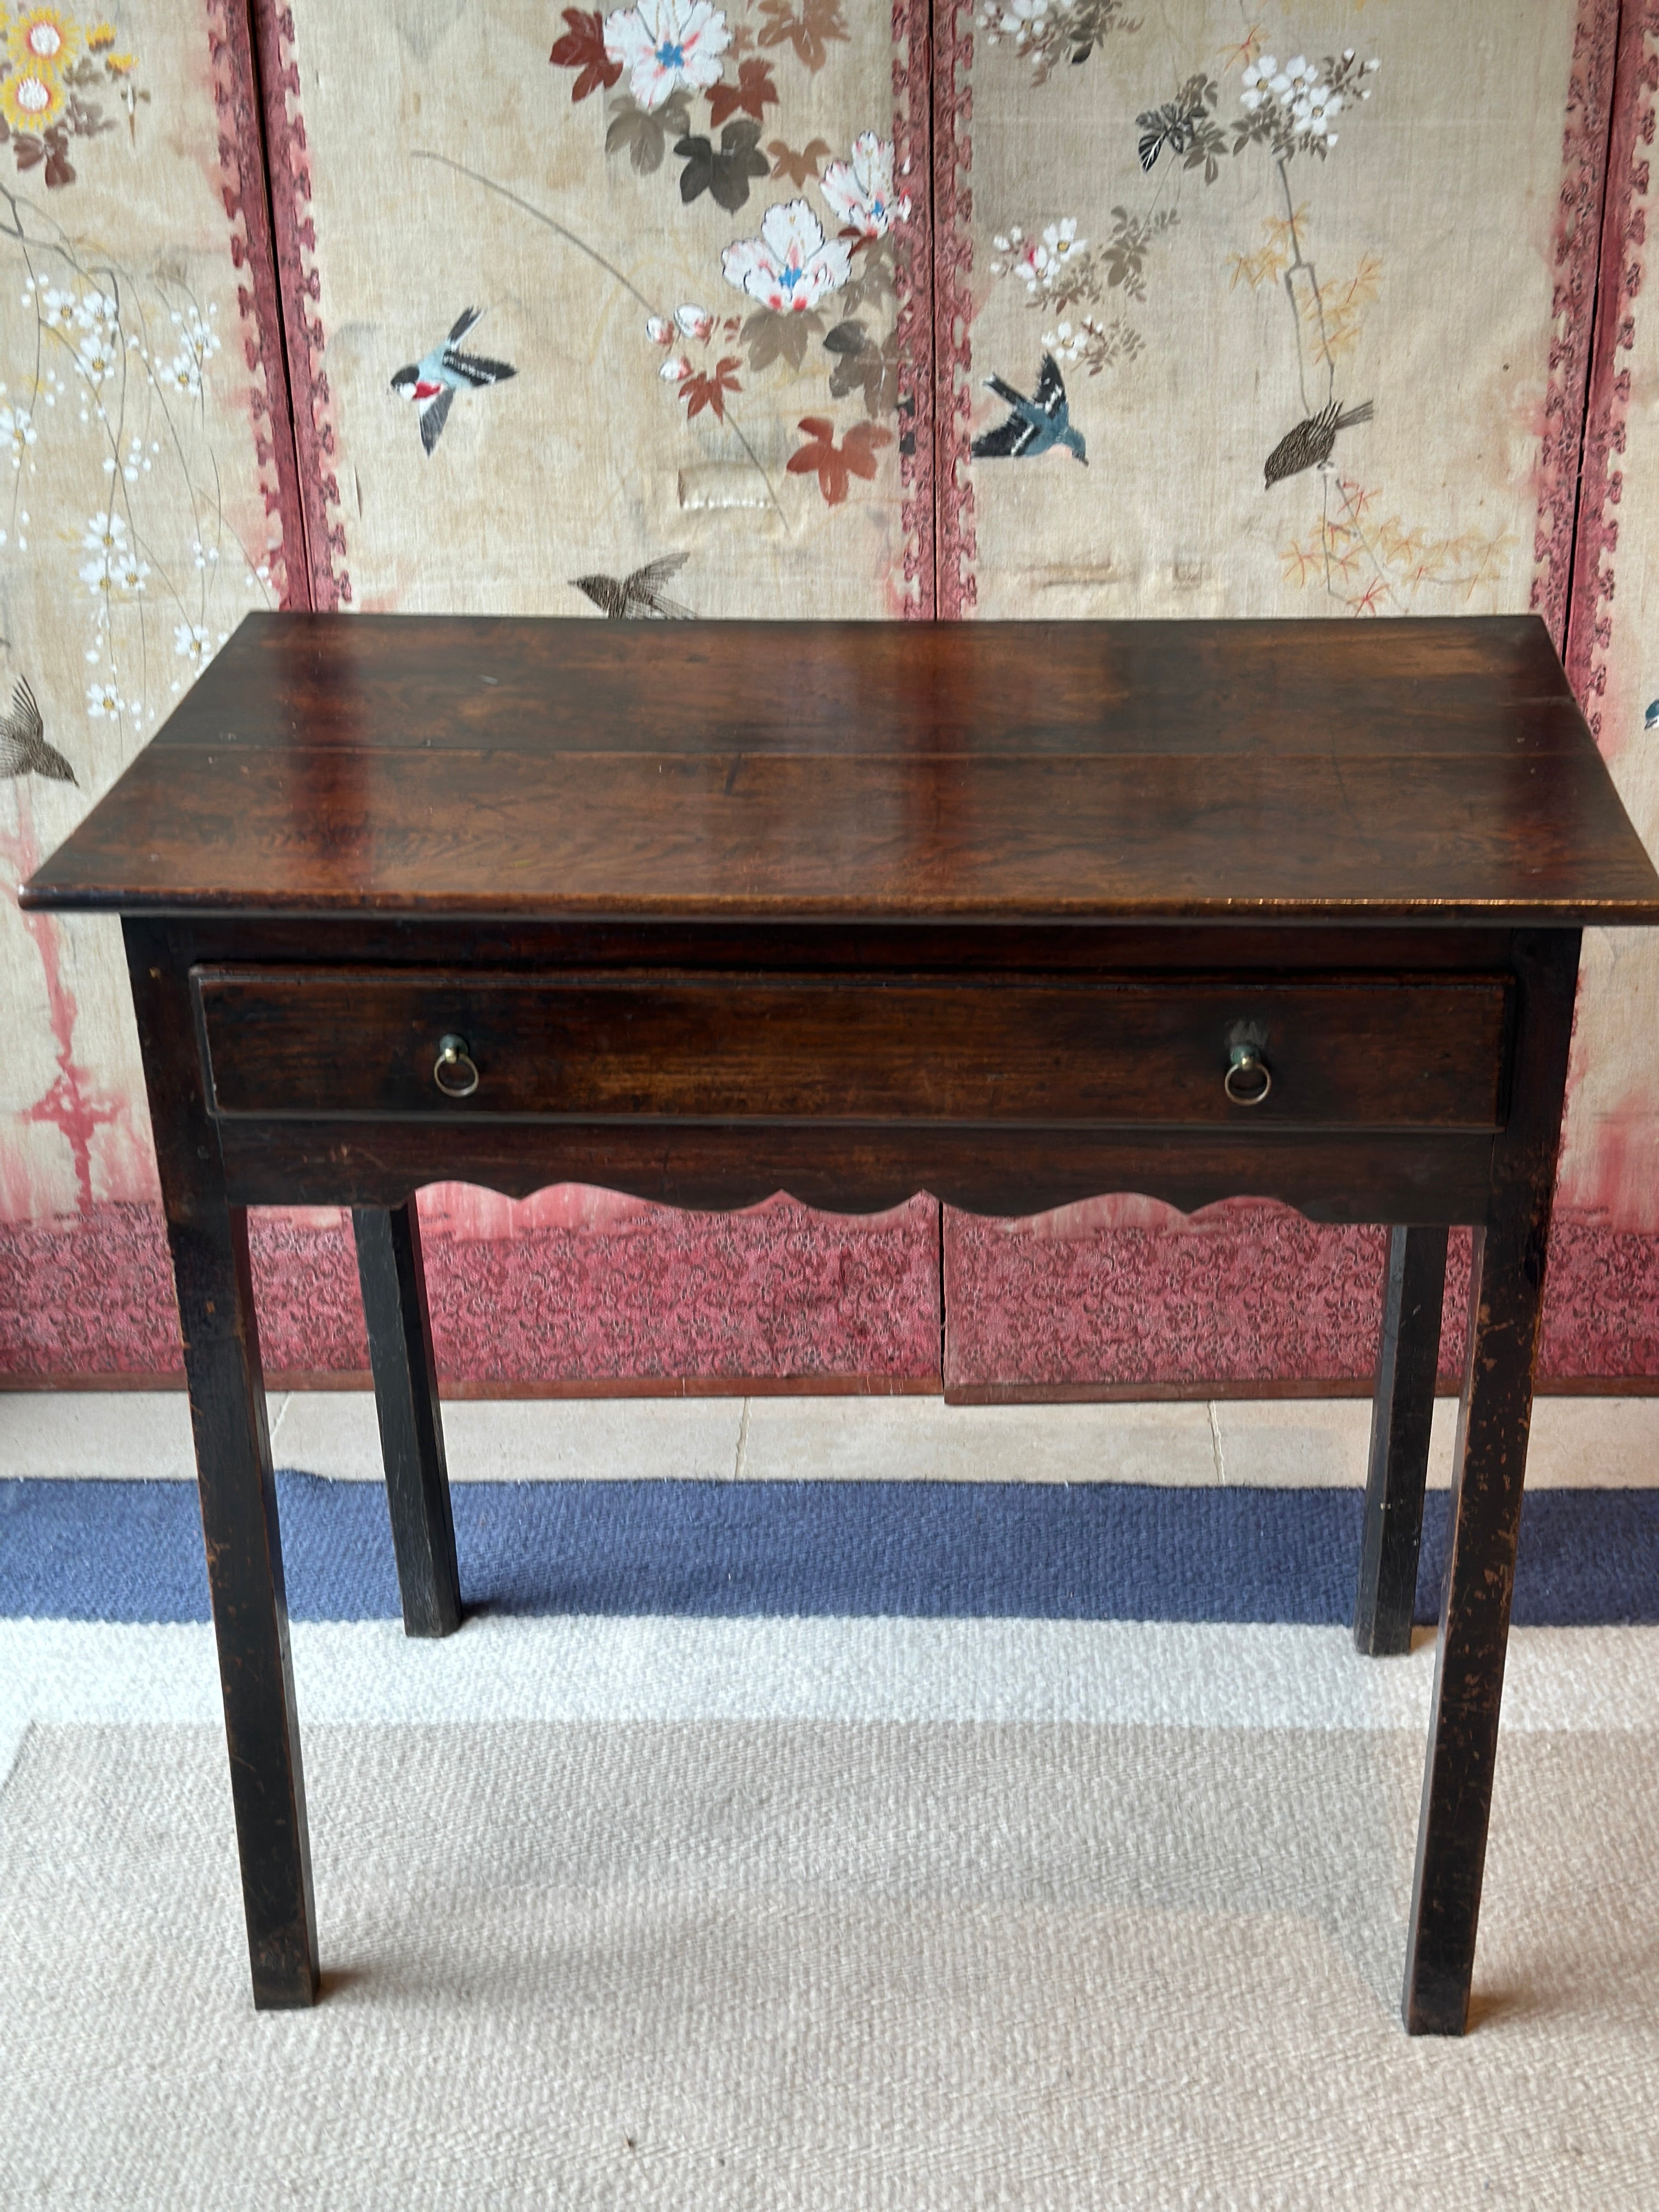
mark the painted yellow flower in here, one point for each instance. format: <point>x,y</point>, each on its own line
<point>100,35</point>
<point>31,100</point>
<point>119,64</point>
<point>42,40</point>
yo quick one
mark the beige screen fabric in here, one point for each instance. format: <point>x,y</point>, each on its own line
<point>1298,269</point>
<point>682,262</point>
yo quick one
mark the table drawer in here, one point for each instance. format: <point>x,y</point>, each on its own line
<point>1363,1052</point>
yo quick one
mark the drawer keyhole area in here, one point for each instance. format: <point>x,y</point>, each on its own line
<point>454,1071</point>
<point>1248,1078</point>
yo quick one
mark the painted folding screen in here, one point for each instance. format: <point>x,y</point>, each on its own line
<point>1317,285</point>
<point>1323,331</point>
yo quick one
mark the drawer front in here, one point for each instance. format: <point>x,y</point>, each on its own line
<point>1358,1052</point>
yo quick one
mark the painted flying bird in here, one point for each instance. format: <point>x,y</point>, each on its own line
<point>24,747</point>
<point>638,597</point>
<point>1036,425</point>
<point>432,380</point>
<point>1309,445</point>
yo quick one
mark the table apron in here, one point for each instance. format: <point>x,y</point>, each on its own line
<point>1340,1176</point>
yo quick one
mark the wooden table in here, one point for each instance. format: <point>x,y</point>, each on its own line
<point>1012,914</point>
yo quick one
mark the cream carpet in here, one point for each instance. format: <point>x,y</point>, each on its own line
<point>814,1963</point>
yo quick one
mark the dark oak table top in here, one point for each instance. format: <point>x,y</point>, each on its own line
<point>1300,771</point>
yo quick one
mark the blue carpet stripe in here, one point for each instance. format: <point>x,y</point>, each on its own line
<point>132,1551</point>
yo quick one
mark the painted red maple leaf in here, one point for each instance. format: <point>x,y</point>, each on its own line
<point>835,466</point>
<point>708,389</point>
<point>582,49</point>
<point>753,93</point>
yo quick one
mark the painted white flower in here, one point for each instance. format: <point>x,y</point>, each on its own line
<point>56,308</point>
<point>675,370</point>
<point>105,534</point>
<point>95,575</point>
<point>665,44</point>
<point>791,266</point>
<point>696,323</point>
<point>1323,106</point>
<point>1031,259</point>
<point>96,310</point>
<point>860,191</point>
<point>659,329</point>
<point>102,699</point>
<point>184,373</point>
<point>1041,261</point>
<point>17,431</point>
<point>129,572</point>
<point>96,356</point>
<point>191,643</point>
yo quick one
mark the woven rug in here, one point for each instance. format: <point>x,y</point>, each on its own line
<point>925,1881</point>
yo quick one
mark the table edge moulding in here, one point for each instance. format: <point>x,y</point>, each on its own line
<point>1015,913</point>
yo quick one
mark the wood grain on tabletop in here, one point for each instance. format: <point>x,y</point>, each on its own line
<point>1436,769</point>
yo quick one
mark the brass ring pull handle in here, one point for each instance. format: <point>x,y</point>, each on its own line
<point>1248,1078</point>
<point>454,1071</point>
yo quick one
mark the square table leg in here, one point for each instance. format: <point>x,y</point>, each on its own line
<point>1401,1415</point>
<point>1506,1297</point>
<point>393,1278</point>
<point>237,1489</point>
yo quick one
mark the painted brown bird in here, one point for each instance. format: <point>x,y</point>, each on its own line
<point>639,597</point>
<point>24,747</point>
<point>1309,445</point>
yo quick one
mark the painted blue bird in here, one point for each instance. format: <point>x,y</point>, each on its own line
<point>1650,719</point>
<point>432,380</point>
<point>1036,425</point>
